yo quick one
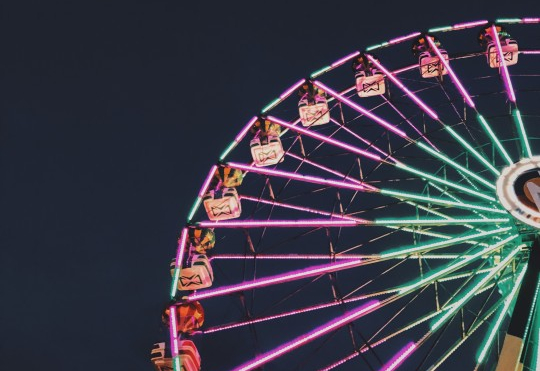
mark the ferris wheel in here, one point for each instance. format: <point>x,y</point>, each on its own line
<point>380,214</point>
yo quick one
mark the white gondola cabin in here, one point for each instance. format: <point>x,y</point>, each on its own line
<point>223,204</point>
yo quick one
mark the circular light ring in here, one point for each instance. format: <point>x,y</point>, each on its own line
<point>522,209</point>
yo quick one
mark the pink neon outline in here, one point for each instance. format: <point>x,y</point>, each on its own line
<point>302,208</point>
<point>294,176</point>
<point>273,280</point>
<point>325,139</point>
<point>530,52</point>
<point>207,181</point>
<point>173,331</point>
<point>291,89</point>
<point>344,59</point>
<point>468,24</point>
<point>502,62</point>
<point>246,128</point>
<point>278,223</point>
<point>362,110</point>
<point>284,314</point>
<point>531,20</point>
<point>403,38</point>
<point>181,248</point>
<point>454,77</point>
<point>411,95</point>
<point>400,357</point>
<point>289,257</point>
<point>312,335</point>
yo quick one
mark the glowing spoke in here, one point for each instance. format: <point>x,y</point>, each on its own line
<point>456,165</point>
<point>400,85</point>
<point>495,140</point>
<point>316,223</point>
<point>365,141</point>
<point>503,67</point>
<point>361,110</point>
<point>302,208</point>
<point>445,182</point>
<point>416,249</point>
<point>303,339</point>
<point>453,76</point>
<point>522,134</point>
<point>461,302</point>
<point>274,280</point>
<point>295,176</point>
<point>451,221</point>
<point>496,326</point>
<point>453,267</point>
<point>399,358</point>
<point>324,138</point>
<point>439,201</point>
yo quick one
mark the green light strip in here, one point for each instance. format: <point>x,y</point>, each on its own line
<point>440,29</point>
<point>523,134</point>
<point>533,308</point>
<point>473,151</point>
<point>495,140</point>
<point>508,20</point>
<point>500,317</point>
<point>320,72</point>
<point>436,245</point>
<point>419,231</point>
<point>456,165</point>
<point>438,221</point>
<point>194,208</point>
<point>174,284</point>
<point>469,293</point>
<point>228,150</point>
<point>438,201</point>
<point>446,182</point>
<point>376,46</point>
<point>436,275</point>
<point>271,105</point>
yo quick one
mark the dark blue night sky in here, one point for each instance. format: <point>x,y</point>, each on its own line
<point>111,115</point>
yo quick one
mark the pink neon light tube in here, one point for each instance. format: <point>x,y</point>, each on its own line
<point>399,358</point>
<point>411,95</point>
<point>468,24</point>
<point>323,138</point>
<point>274,280</point>
<point>294,176</point>
<point>310,336</point>
<point>173,331</point>
<point>454,77</point>
<point>502,63</point>
<point>206,183</point>
<point>345,59</point>
<point>360,109</point>
<point>291,89</point>
<point>181,248</point>
<point>279,223</point>
<point>404,38</point>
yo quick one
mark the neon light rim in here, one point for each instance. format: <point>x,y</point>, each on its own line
<point>383,240</point>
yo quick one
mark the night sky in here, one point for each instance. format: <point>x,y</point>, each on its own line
<point>111,115</point>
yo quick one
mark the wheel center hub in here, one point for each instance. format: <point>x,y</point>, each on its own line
<point>518,189</point>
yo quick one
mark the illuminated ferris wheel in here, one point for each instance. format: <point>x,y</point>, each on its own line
<point>381,214</point>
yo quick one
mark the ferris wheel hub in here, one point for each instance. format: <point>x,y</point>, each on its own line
<point>518,189</point>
